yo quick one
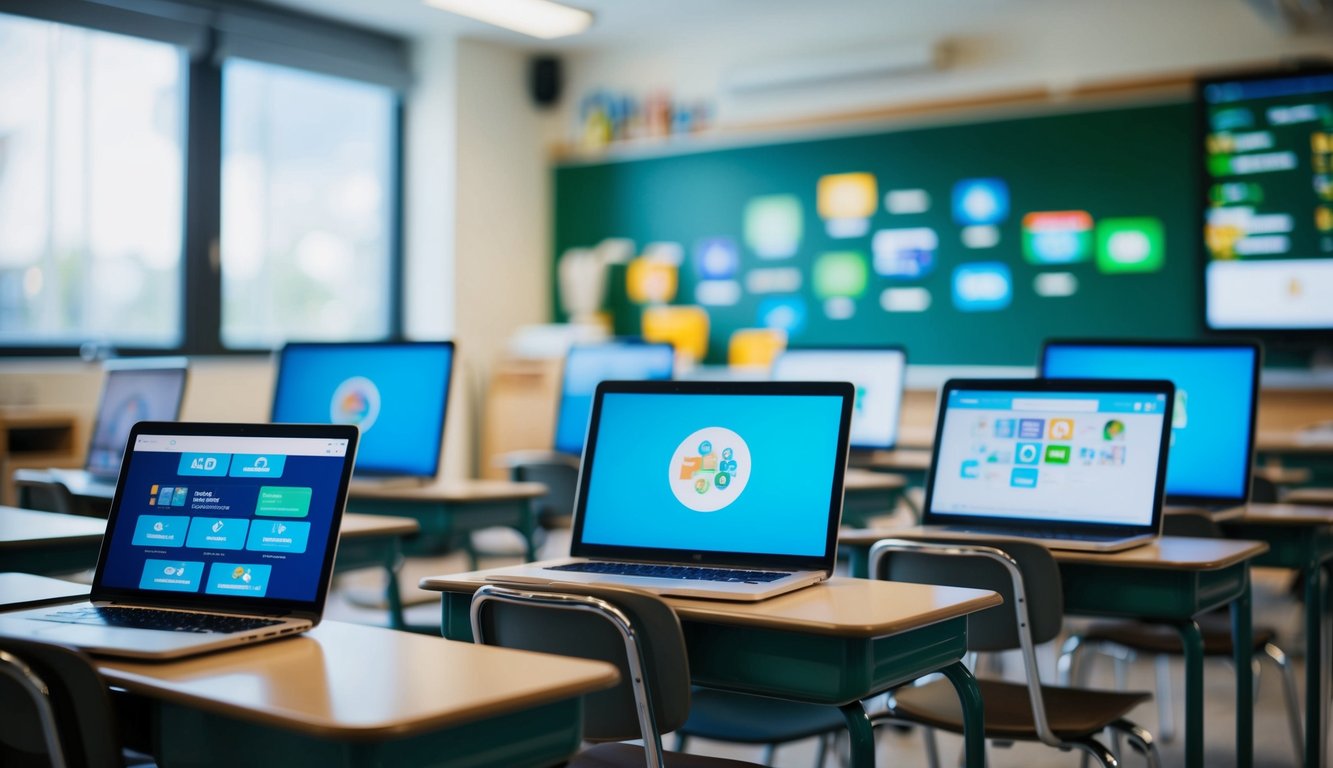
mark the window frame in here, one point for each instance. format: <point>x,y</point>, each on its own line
<point>200,317</point>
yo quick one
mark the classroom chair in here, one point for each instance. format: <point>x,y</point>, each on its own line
<point>744,719</point>
<point>57,711</point>
<point>1026,576</point>
<point>559,472</point>
<point>1124,639</point>
<point>36,489</point>
<point>637,632</point>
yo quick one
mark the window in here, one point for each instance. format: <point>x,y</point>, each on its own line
<point>306,220</point>
<point>91,187</point>
<point>196,177</point>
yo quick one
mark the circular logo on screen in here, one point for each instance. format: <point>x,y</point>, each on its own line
<point>355,401</point>
<point>709,469</point>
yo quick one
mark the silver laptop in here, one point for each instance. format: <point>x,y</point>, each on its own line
<point>725,490</point>
<point>1075,464</point>
<point>219,534</point>
<point>133,390</point>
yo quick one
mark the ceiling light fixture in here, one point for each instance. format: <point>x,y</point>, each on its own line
<point>536,18</point>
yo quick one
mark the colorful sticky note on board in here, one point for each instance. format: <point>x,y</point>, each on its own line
<point>755,347</point>
<point>684,327</point>
<point>1130,245</point>
<point>1057,237</point>
<point>847,196</point>
<point>651,281</point>
<point>716,258</point>
<point>982,286</point>
<point>980,201</point>
<point>840,274</point>
<point>773,226</point>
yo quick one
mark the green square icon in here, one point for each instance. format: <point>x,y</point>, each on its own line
<point>841,273</point>
<point>1130,245</point>
<point>1057,454</point>
<point>278,501</point>
<point>773,226</point>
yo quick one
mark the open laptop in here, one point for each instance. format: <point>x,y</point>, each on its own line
<point>219,534</point>
<point>397,394</point>
<point>133,390</point>
<point>1212,420</point>
<point>587,365</point>
<point>876,372</point>
<point>726,490</point>
<point>1074,464</point>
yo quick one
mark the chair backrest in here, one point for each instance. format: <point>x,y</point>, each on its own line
<point>45,685</point>
<point>1263,490</point>
<point>38,490</point>
<point>559,473</point>
<point>1023,573</point>
<point>1199,525</point>
<point>636,631</point>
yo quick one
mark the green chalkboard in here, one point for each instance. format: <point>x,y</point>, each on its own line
<point>1127,265</point>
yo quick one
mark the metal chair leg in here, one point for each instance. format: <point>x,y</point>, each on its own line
<point>1289,693</point>
<point>1166,711</point>
<point>932,748</point>
<point>1140,739</point>
<point>1093,748</point>
<point>1068,664</point>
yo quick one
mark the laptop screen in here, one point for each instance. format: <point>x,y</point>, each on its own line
<point>586,365</point>
<point>752,470</point>
<point>877,375</point>
<point>226,517</point>
<point>1076,456</point>
<point>397,394</point>
<point>133,391</point>
<point>1212,424</point>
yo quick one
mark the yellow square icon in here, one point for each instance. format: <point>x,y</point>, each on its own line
<point>846,196</point>
<point>683,327</point>
<point>651,281</point>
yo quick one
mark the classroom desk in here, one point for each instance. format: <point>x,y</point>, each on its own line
<point>1297,450</point>
<point>1300,537</point>
<point>35,437</point>
<point>27,590</point>
<point>910,462</point>
<point>1318,497</point>
<point>834,644</point>
<point>867,494</point>
<point>1172,580</point>
<point>448,511</point>
<point>350,695</point>
<point>49,543</point>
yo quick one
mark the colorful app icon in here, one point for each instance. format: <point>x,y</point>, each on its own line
<point>785,313</point>
<point>716,258</point>
<point>907,254</point>
<point>1031,429</point>
<point>1114,429</point>
<point>355,401</point>
<point>773,226</point>
<point>1023,477</point>
<point>846,196</point>
<point>684,327</point>
<point>755,347</point>
<point>1057,454</point>
<point>651,281</point>
<point>1005,428</point>
<point>980,201</point>
<point>1057,237</point>
<point>841,273</point>
<point>1130,245</point>
<point>1027,453</point>
<point>1180,417</point>
<point>709,469</point>
<point>971,469</point>
<point>1060,429</point>
<point>982,287</point>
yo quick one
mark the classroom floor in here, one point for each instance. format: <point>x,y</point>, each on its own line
<point>357,596</point>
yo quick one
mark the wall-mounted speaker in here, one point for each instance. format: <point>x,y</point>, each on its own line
<point>544,80</point>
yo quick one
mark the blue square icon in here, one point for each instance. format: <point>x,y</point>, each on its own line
<point>785,313</point>
<point>1005,427</point>
<point>1027,453</point>
<point>971,469</point>
<point>716,258</point>
<point>1031,429</point>
<point>982,286</point>
<point>980,201</point>
<point>1023,477</point>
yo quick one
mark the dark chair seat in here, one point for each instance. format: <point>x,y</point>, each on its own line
<point>620,755</point>
<point>726,716</point>
<point>1161,638</point>
<point>1072,713</point>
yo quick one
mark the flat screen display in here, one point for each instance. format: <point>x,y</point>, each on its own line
<point>134,391</point>
<point>586,366</point>
<point>877,375</point>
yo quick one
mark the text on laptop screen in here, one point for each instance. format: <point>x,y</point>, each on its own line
<point>715,473</point>
<point>877,375</point>
<point>395,393</point>
<point>1211,421</point>
<point>226,516</point>
<point>1090,457</point>
<point>128,397</point>
<point>588,365</point>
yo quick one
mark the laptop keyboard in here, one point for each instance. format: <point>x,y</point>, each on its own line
<point>1037,533</point>
<point>150,618</point>
<point>684,572</point>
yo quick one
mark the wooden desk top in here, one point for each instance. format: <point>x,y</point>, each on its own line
<point>354,682</point>
<point>36,416</point>
<point>907,459</point>
<point>865,480</point>
<point>27,528</point>
<point>841,606</point>
<point>355,525</point>
<point>1278,475</point>
<point>1317,496</point>
<point>1294,441</point>
<point>1287,514</point>
<point>1176,553</point>
<point>454,491</point>
<point>24,590</point>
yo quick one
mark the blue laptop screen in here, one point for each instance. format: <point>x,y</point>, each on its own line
<point>588,365</point>
<point>1050,456</point>
<point>713,472</point>
<point>226,516</point>
<point>129,397</point>
<point>396,394</point>
<point>1211,424</point>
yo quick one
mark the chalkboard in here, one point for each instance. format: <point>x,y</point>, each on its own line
<point>1113,251</point>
